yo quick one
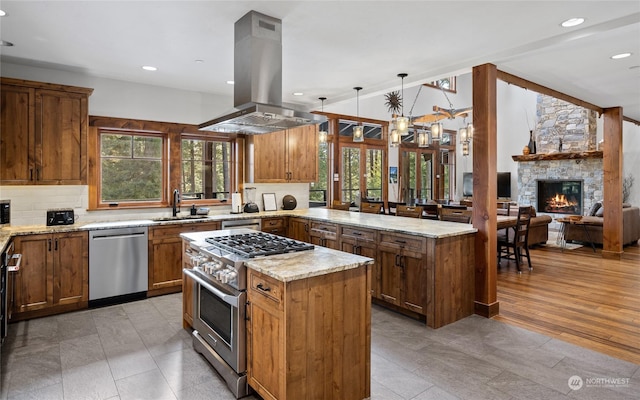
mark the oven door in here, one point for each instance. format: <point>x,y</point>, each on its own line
<point>219,318</point>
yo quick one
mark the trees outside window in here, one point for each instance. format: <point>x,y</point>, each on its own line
<point>206,169</point>
<point>131,167</point>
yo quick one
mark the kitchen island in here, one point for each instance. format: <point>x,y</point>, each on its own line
<point>308,323</point>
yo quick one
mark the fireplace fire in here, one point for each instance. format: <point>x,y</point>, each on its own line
<point>560,196</point>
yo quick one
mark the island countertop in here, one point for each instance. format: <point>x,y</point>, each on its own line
<point>298,265</point>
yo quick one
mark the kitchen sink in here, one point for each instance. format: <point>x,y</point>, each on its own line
<point>179,218</point>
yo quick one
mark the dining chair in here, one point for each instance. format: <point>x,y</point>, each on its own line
<point>409,211</point>
<point>371,208</point>
<point>430,211</point>
<point>455,215</point>
<point>392,206</point>
<point>340,205</point>
<point>516,239</point>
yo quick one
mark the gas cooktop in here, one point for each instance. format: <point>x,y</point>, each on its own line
<point>257,244</point>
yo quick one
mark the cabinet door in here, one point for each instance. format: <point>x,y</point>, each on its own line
<point>18,135</point>
<point>265,361</point>
<point>276,226</point>
<point>302,154</point>
<point>165,263</point>
<point>389,275</point>
<point>299,229</point>
<point>414,282</point>
<point>187,301</point>
<point>269,156</point>
<point>34,282</point>
<point>61,148</point>
<point>70,268</point>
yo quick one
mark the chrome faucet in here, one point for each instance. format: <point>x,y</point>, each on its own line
<point>176,202</point>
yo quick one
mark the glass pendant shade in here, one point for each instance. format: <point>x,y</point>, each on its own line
<point>322,137</point>
<point>423,139</point>
<point>462,132</point>
<point>394,138</point>
<point>436,131</point>
<point>402,125</point>
<point>358,133</point>
<point>469,132</point>
<point>465,148</point>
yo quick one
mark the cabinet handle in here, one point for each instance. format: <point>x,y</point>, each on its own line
<point>397,263</point>
<point>49,241</point>
<point>56,247</point>
<point>402,262</point>
<point>401,241</point>
<point>306,227</point>
<point>30,174</point>
<point>247,307</point>
<point>263,288</point>
<point>356,233</point>
<point>37,173</point>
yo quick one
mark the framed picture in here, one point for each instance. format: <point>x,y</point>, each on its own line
<point>269,201</point>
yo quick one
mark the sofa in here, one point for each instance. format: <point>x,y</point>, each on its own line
<point>630,226</point>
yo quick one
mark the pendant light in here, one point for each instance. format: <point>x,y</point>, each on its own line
<point>465,149</point>
<point>423,138</point>
<point>358,134</point>
<point>469,131</point>
<point>436,131</point>
<point>322,135</point>
<point>463,133</point>
<point>402,122</point>
<point>394,136</point>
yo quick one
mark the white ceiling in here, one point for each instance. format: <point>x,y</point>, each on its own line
<point>331,46</point>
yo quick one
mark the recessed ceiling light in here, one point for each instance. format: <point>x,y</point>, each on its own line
<point>298,93</point>
<point>5,43</point>
<point>2,13</point>
<point>621,55</point>
<point>200,61</point>
<point>149,68</point>
<point>572,22</point>
<point>230,82</point>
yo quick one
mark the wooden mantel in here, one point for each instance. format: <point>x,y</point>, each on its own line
<point>559,156</point>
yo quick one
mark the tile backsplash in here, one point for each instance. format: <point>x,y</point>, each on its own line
<point>29,204</point>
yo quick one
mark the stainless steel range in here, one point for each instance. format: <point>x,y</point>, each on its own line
<point>219,296</point>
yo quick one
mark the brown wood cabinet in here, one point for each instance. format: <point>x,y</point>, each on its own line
<point>165,255</point>
<point>299,229</point>
<point>276,226</point>
<point>362,242</point>
<point>324,234</point>
<point>53,276</point>
<point>44,133</point>
<point>402,271</point>
<point>286,156</point>
<point>304,342</point>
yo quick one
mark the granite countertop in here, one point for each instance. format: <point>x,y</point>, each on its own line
<point>413,226</point>
<point>293,266</point>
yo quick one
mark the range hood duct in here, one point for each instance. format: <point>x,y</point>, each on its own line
<point>258,82</point>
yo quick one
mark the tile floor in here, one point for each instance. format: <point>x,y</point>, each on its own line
<point>140,351</point>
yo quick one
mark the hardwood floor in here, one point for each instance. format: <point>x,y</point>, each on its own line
<point>578,297</point>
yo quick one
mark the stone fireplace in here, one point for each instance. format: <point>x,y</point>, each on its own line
<point>559,196</point>
<point>566,145</point>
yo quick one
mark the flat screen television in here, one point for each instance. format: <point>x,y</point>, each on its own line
<point>504,184</point>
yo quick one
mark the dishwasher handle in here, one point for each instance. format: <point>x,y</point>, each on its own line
<point>117,236</point>
<point>14,267</point>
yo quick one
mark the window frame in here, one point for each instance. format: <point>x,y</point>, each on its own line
<point>232,165</point>
<point>95,201</point>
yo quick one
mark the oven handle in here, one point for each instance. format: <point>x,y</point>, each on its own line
<point>229,299</point>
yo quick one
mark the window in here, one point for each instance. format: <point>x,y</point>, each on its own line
<point>318,190</point>
<point>206,169</point>
<point>448,84</point>
<point>131,167</point>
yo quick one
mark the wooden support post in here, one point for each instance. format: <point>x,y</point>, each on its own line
<point>485,188</point>
<point>612,232</point>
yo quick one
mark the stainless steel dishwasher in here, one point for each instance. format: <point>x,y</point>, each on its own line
<point>118,265</point>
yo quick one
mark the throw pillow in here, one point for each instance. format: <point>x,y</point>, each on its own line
<point>594,208</point>
<point>626,205</point>
<point>600,212</point>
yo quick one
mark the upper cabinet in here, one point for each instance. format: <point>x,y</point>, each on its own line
<point>44,133</point>
<point>286,156</point>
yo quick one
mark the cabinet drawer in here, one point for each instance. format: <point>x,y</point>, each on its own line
<point>274,225</point>
<point>323,230</point>
<point>265,286</point>
<point>363,235</point>
<point>408,242</point>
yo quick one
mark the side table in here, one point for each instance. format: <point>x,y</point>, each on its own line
<point>573,220</point>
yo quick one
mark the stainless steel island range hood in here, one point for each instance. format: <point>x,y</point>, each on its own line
<point>258,82</point>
